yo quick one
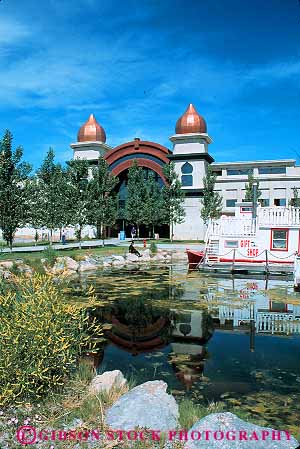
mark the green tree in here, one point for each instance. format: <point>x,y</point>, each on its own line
<point>50,200</point>
<point>14,189</point>
<point>173,197</point>
<point>154,204</point>
<point>249,188</point>
<point>103,200</point>
<point>212,200</point>
<point>135,210</point>
<point>295,201</point>
<point>78,195</point>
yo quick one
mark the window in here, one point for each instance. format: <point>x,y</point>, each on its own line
<point>187,177</point>
<point>271,170</point>
<point>231,244</point>
<point>264,202</point>
<point>279,239</point>
<point>217,172</point>
<point>246,209</point>
<point>240,171</point>
<point>230,203</point>
<point>280,202</point>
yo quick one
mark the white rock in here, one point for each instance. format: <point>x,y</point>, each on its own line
<point>68,262</point>
<point>132,258</point>
<point>146,406</point>
<point>5,274</point>
<point>146,253</point>
<point>6,264</point>
<point>118,258</point>
<point>23,268</point>
<point>85,265</point>
<point>158,257</point>
<point>107,380</point>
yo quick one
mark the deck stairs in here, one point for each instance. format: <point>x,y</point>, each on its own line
<point>212,251</point>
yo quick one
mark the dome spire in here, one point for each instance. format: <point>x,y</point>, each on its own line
<point>190,122</point>
<point>91,131</point>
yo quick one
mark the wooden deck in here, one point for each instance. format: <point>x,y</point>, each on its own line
<point>251,268</point>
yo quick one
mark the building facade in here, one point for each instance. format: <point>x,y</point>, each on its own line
<point>191,156</point>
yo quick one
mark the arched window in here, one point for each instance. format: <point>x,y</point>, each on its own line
<point>187,177</point>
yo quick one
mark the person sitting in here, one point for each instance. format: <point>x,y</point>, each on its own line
<point>133,250</point>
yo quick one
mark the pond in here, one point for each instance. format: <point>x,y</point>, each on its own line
<point>229,340</point>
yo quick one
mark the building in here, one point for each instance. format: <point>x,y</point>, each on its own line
<point>191,156</point>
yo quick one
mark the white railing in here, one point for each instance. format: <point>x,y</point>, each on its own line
<point>232,227</point>
<point>278,216</point>
<point>279,323</point>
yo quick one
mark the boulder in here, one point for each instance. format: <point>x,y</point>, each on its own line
<point>107,380</point>
<point>180,255</point>
<point>132,258</point>
<point>5,274</point>
<point>23,268</point>
<point>68,263</point>
<point>86,265</point>
<point>118,261</point>
<point>118,258</point>
<point>228,422</point>
<point>158,257</point>
<point>57,268</point>
<point>8,264</point>
<point>145,255</point>
<point>147,405</point>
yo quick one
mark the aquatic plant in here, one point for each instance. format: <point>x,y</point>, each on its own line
<point>42,338</point>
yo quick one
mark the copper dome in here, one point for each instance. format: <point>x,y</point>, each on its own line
<point>91,131</point>
<point>190,122</point>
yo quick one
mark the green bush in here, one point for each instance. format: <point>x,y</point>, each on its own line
<point>153,247</point>
<point>42,338</point>
<point>50,254</point>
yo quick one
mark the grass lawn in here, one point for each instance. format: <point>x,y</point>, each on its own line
<point>107,250</point>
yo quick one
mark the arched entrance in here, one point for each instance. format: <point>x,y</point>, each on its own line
<point>151,157</point>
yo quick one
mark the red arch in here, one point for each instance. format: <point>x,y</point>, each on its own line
<point>138,146</point>
<point>141,162</point>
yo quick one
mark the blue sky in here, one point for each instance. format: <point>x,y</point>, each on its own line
<point>136,64</point>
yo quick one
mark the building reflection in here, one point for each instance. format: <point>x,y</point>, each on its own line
<point>178,324</point>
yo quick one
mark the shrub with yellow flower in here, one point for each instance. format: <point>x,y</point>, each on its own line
<point>42,338</point>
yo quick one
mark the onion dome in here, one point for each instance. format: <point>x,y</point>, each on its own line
<point>190,122</point>
<point>91,131</point>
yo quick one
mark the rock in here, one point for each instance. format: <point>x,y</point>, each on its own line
<point>5,274</point>
<point>225,422</point>
<point>6,264</point>
<point>158,257</point>
<point>145,256</point>
<point>147,405</point>
<point>180,255</point>
<point>107,380</point>
<point>57,268</point>
<point>106,264</point>
<point>68,263</point>
<point>132,258</point>
<point>23,268</point>
<point>118,261</point>
<point>118,258</point>
<point>93,260</point>
<point>146,253</point>
<point>86,265</point>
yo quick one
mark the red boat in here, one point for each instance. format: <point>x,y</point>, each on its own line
<point>194,257</point>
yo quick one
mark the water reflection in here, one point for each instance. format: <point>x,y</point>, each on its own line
<point>230,340</point>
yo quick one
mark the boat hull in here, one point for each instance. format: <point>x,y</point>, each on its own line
<point>194,257</point>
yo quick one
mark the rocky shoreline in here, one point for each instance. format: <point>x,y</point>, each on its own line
<point>68,266</point>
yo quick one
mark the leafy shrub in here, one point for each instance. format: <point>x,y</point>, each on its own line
<point>50,254</point>
<point>42,338</point>
<point>153,247</point>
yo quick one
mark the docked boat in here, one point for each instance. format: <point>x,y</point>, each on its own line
<point>194,257</point>
<point>266,242</point>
